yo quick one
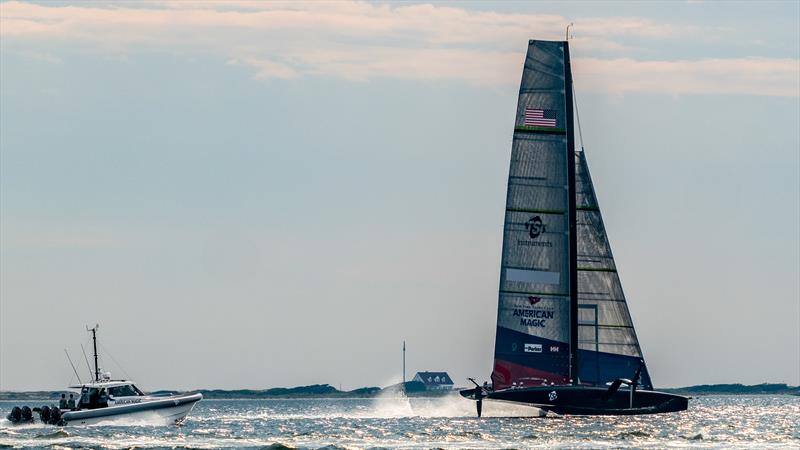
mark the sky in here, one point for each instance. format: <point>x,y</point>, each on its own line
<point>249,195</point>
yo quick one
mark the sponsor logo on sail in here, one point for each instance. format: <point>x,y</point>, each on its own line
<point>554,349</point>
<point>533,348</point>
<point>533,317</point>
<point>534,300</point>
<point>535,227</point>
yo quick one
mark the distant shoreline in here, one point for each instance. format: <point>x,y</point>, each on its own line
<point>736,389</point>
<point>413,389</point>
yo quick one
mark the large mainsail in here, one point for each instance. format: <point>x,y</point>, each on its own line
<point>532,344</point>
<point>562,316</point>
<point>565,340</point>
<point>607,341</point>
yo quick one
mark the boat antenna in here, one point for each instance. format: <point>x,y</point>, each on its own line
<point>106,352</point>
<point>94,340</point>
<point>73,367</point>
<point>85,358</point>
<point>575,97</point>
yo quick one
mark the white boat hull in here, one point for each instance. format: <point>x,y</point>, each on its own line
<point>169,410</point>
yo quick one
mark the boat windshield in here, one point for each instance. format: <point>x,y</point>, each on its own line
<point>92,397</point>
<point>127,390</point>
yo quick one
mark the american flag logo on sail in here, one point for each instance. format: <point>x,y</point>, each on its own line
<point>539,118</point>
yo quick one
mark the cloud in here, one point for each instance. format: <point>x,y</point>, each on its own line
<point>361,41</point>
<point>267,68</point>
<point>753,76</point>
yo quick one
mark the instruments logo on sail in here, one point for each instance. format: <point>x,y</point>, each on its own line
<point>536,227</point>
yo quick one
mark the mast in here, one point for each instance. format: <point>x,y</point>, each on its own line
<point>404,364</point>
<point>94,341</point>
<point>573,237</point>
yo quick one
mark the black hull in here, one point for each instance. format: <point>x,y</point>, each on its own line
<point>588,400</point>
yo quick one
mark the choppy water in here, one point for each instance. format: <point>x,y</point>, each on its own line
<point>450,422</point>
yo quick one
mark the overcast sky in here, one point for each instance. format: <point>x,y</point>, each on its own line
<point>247,195</point>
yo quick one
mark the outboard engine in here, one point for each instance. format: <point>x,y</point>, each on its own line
<point>27,414</point>
<point>55,416</point>
<point>44,414</point>
<point>15,415</point>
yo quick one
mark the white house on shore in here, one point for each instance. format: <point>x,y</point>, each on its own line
<point>434,381</point>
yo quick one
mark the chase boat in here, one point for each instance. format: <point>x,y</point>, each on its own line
<point>112,399</point>
<point>104,399</point>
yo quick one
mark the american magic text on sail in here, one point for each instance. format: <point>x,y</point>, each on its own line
<point>533,317</point>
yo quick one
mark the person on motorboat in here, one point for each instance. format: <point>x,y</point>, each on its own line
<point>93,399</point>
<point>103,399</point>
<point>62,404</point>
<point>71,402</point>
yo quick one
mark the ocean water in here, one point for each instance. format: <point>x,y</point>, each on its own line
<point>448,422</point>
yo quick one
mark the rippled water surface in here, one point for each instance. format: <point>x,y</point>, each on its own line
<point>449,422</point>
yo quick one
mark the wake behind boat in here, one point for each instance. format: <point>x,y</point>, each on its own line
<point>565,340</point>
<point>104,399</point>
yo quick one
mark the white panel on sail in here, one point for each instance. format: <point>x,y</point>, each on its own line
<point>533,276</point>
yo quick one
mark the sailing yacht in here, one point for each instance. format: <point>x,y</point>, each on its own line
<point>565,340</point>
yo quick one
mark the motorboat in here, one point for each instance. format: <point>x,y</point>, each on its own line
<point>104,399</point>
<point>114,399</point>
